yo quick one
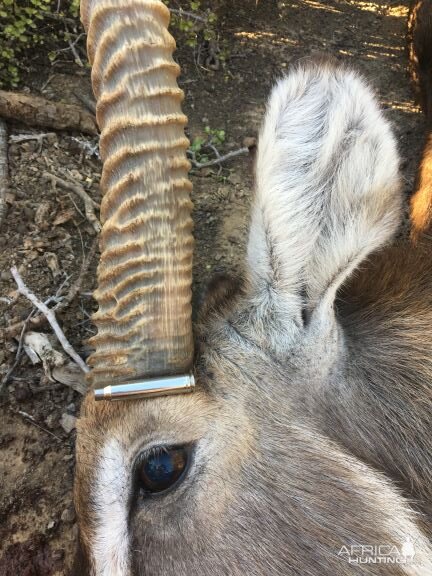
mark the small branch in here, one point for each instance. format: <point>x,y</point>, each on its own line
<point>190,15</point>
<point>18,138</point>
<point>50,316</point>
<point>37,111</point>
<point>87,147</point>
<point>220,159</point>
<point>40,319</point>
<point>4,172</point>
<point>215,150</point>
<point>30,418</point>
<point>74,50</point>
<point>72,47</point>
<point>89,203</point>
<point>76,286</point>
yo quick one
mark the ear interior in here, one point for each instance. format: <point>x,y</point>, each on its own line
<point>328,186</point>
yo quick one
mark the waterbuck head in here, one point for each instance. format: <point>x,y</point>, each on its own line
<point>237,477</point>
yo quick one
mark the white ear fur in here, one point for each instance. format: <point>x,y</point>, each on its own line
<point>328,186</point>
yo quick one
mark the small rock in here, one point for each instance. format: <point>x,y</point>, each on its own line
<point>249,142</point>
<point>74,532</point>
<point>53,264</point>
<point>50,525</point>
<point>5,275</point>
<point>67,422</point>
<point>68,515</point>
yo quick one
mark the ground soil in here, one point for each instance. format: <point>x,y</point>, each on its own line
<point>37,522</point>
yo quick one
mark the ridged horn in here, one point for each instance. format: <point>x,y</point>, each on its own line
<point>145,271</point>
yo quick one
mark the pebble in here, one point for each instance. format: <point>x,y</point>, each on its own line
<point>5,275</point>
<point>50,525</point>
<point>71,408</point>
<point>67,422</point>
<point>249,142</point>
<point>68,515</point>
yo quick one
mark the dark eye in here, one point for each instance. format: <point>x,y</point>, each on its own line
<point>161,468</point>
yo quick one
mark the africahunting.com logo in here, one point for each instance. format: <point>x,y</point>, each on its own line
<point>379,554</point>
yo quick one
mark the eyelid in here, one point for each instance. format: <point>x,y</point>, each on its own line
<point>137,449</point>
<point>159,449</point>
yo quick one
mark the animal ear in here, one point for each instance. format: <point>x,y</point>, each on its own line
<point>327,185</point>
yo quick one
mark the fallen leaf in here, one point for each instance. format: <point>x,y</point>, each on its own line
<point>64,216</point>
<point>42,213</point>
<point>53,264</point>
<point>67,422</point>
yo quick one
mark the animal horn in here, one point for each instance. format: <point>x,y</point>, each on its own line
<point>145,271</point>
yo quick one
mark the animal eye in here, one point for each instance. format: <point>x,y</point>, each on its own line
<point>161,468</point>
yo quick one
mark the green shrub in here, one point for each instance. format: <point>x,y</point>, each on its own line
<point>27,26</point>
<point>42,30</point>
<point>193,21</point>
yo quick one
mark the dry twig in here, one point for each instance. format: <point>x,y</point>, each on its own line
<point>50,316</point>
<point>88,147</point>
<point>40,319</point>
<point>4,172</point>
<point>76,286</point>
<point>18,138</point>
<point>89,203</point>
<point>31,419</point>
<point>37,111</point>
<point>182,13</point>
<point>219,159</point>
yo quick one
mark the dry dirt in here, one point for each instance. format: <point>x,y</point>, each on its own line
<point>37,526</point>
